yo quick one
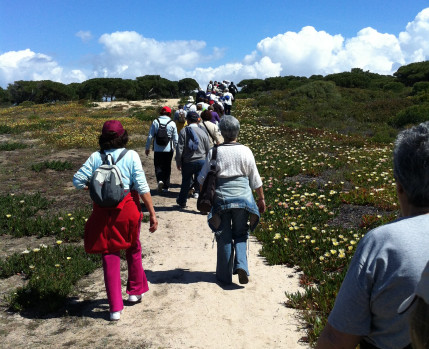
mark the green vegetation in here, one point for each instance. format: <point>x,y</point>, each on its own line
<point>9,146</point>
<point>55,165</point>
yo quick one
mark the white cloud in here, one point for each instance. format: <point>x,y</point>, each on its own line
<point>414,40</point>
<point>85,36</point>
<point>28,65</point>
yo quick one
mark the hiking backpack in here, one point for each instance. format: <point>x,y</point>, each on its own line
<point>162,138</point>
<point>191,139</point>
<point>106,188</point>
<point>182,116</point>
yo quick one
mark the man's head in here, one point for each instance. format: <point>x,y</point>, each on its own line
<point>192,117</point>
<point>411,163</point>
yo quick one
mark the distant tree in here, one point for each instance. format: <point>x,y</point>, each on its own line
<point>420,87</point>
<point>412,73</point>
<point>154,86</point>
<point>251,85</point>
<point>21,91</point>
<point>355,78</point>
<point>187,86</point>
<point>4,96</point>
<point>51,91</point>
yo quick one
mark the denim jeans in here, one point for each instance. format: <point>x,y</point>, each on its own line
<point>232,238</point>
<point>189,170</point>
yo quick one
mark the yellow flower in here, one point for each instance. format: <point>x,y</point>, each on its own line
<point>57,265</point>
<point>313,241</point>
<point>59,242</point>
<point>322,258</point>
<point>277,236</point>
<point>333,251</point>
<point>350,248</point>
<point>31,266</point>
<point>341,255</point>
<point>68,258</point>
<point>36,249</point>
<point>271,212</point>
<point>8,215</point>
<point>352,242</point>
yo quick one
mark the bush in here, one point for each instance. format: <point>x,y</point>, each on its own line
<point>411,115</point>
<point>12,146</point>
<point>55,165</point>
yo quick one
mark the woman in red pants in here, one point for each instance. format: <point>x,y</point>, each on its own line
<point>111,229</point>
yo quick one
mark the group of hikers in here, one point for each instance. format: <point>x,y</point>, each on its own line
<point>383,301</point>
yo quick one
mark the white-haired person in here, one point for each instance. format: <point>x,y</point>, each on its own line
<point>234,212</point>
<point>388,261</point>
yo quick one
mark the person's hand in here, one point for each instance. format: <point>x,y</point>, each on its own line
<point>153,224</point>
<point>179,167</point>
<point>261,205</point>
<point>147,151</point>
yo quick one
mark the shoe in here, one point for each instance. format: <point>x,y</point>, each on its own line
<point>115,316</point>
<point>181,205</point>
<point>195,196</point>
<point>160,185</point>
<point>242,276</point>
<point>135,298</point>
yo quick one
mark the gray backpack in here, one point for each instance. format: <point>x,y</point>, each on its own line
<point>106,188</point>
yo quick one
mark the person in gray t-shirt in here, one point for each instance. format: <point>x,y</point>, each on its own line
<point>389,260</point>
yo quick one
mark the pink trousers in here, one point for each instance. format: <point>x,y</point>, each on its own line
<point>137,282</point>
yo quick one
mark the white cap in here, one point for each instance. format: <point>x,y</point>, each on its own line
<point>422,291</point>
<point>190,99</point>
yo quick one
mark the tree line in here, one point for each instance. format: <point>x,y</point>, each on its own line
<point>414,75</point>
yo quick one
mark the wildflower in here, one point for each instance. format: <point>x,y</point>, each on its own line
<point>335,243</point>
<point>71,218</point>
<point>350,248</point>
<point>353,242</point>
<point>286,239</point>
<point>36,249</point>
<point>59,242</point>
<point>43,246</point>
<point>341,255</point>
<point>69,214</point>
<point>322,258</point>
<point>68,258</point>
<point>25,252</point>
<point>327,254</point>
<point>31,266</point>
<point>314,228</point>
<point>333,251</point>
<point>271,212</point>
<point>57,265</point>
<point>8,215</point>
<point>22,201</point>
<point>313,241</point>
<point>277,236</point>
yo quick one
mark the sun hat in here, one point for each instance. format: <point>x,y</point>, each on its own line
<point>190,99</point>
<point>422,291</point>
<point>113,126</point>
<point>166,109</point>
<point>192,116</point>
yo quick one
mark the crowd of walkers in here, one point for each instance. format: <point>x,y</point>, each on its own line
<point>385,293</point>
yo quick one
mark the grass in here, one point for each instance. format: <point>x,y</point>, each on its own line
<point>55,165</point>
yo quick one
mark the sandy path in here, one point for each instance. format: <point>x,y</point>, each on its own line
<point>185,307</point>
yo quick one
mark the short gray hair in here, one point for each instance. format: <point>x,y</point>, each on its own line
<point>229,127</point>
<point>411,163</point>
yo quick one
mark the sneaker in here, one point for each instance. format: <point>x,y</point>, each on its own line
<point>115,316</point>
<point>195,196</point>
<point>135,298</point>
<point>242,276</point>
<point>191,192</point>
<point>160,185</point>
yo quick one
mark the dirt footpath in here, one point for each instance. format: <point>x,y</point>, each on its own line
<point>184,308</point>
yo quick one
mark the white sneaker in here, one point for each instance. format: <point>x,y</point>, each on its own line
<point>134,298</point>
<point>160,185</point>
<point>195,196</point>
<point>115,316</point>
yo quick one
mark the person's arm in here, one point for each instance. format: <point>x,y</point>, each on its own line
<point>261,199</point>
<point>331,338</point>
<point>147,200</point>
<point>149,138</point>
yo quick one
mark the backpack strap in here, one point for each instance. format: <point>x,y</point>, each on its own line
<point>123,152</point>
<point>208,132</point>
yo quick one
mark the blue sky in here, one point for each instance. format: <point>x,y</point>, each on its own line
<point>72,41</point>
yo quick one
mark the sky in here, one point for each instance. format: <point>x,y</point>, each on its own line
<point>75,40</point>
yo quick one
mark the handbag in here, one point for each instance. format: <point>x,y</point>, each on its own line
<point>207,194</point>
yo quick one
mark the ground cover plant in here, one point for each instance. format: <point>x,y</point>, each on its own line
<point>324,155</point>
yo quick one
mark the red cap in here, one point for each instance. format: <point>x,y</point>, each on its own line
<point>166,109</point>
<point>113,126</point>
<point>211,102</point>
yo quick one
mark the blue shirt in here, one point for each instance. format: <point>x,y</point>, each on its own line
<point>130,165</point>
<point>172,133</point>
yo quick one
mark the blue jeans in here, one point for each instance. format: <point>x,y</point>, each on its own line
<point>232,238</point>
<point>189,170</point>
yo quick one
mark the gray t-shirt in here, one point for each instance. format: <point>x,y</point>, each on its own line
<point>384,271</point>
